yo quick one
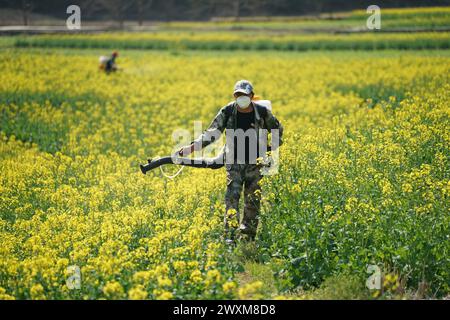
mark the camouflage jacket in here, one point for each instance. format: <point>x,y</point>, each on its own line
<point>226,118</point>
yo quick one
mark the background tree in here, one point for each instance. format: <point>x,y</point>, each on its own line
<point>117,9</point>
<point>143,6</point>
<point>26,8</point>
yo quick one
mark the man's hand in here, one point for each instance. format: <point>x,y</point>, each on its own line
<point>187,150</point>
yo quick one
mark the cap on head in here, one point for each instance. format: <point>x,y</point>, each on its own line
<point>243,86</point>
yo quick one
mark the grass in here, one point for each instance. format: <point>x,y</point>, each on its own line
<point>428,18</point>
<point>254,271</point>
<point>232,42</point>
<point>433,18</point>
<point>339,287</point>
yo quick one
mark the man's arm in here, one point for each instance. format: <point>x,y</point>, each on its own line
<point>210,135</point>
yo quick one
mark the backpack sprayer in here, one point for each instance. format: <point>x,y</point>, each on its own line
<point>209,163</point>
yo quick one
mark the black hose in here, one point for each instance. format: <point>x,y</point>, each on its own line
<point>214,163</point>
<point>210,163</point>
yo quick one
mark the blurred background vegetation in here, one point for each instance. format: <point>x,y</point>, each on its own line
<point>121,13</point>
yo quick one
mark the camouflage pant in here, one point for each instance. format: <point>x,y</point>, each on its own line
<point>241,176</point>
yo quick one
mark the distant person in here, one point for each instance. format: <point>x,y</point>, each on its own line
<point>109,64</point>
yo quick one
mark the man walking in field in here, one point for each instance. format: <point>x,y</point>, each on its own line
<point>247,124</point>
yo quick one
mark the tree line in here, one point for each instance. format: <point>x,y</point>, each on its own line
<point>166,10</point>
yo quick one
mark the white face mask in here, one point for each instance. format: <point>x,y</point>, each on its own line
<point>243,101</point>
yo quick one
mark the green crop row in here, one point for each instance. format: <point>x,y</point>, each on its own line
<point>299,43</point>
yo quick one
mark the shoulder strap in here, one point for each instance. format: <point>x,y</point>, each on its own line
<point>261,113</point>
<point>229,111</point>
<point>261,110</point>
